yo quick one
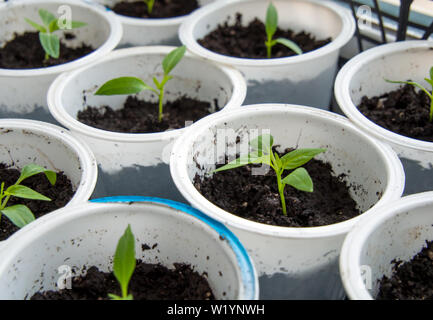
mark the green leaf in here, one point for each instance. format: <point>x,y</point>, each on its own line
<point>19,214</point>
<point>164,81</point>
<point>397,82</point>
<point>271,20</point>
<point>25,193</point>
<point>298,157</point>
<point>47,17</point>
<point>262,143</point>
<point>124,260</point>
<point>36,25</point>
<point>156,82</point>
<point>430,81</point>
<point>289,44</point>
<point>431,73</point>
<point>50,43</point>
<point>77,24</point>
<point>122,85</point>
<point>172,59</point>
<point>252,158</point>
<point>299,179</point>
<point>54,26</point>
<point>33,169</point>
<point>278,160</point>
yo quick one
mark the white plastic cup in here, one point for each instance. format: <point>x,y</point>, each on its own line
<point>397,231</point>
<point>86,235</point>
<point>305,79</point>
<point>27,141</point>
<point>193,76</point>
<point>364,75</point>
<point>145,32</point>
<point>24,90</point>
<point>296,263</point>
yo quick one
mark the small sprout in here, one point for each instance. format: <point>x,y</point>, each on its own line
<point>124,264</point>
<point>49,41</point>
<point>133,85</point>
<point>19,214</point>
<point>271,28</point>
<point>263,153</point>
<point>429,93</point>
<point>149,4</point>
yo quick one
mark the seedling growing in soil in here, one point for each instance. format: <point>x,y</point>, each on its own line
<point>149,4</point>
<point>271,28</point>
<point>263,153</point>
<point>124,264</point>
<point>133,85</point>
<point>19,214</point>
<point>49,41</point>
<point>429,93</point>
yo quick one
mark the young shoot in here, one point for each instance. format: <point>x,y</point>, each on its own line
<point>416,84</point>
<point>263,154</point>
<point>124,264</point>
<point>49,41</point>
<point>19,214</point>
<point>133,85</point>
<point>271,28</point>
<point>149,4</point>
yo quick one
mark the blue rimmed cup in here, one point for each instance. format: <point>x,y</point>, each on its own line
<point>86,235</point>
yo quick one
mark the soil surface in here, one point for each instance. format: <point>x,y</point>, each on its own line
<point>248,41</point>
<point>149,282</point>
<point>60,194</point>
<point>25,52</point>
<point>412,280</point>
<point>404,111</point>
<point>161,8</point>
<point>256,197</point>
<point>138,116</point>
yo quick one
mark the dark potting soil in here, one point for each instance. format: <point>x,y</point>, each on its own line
<point>256,197</point>
<point>149,282</point>
<point>60,194</point>
<point>25,52</point>
<point>248,41</point>
<point>411,280</point>
<point>161,8</point>
<point>138,116</point>
<point>404,111</point>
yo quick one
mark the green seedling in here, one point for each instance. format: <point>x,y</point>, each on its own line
<point>19,214</point>
<point>149,4</point>
<point>49,41</point>
<point>416,84</point>
<point>133,85</point>
<point>271,28</point>
<point>124,264</point>
<point>263,154</point>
